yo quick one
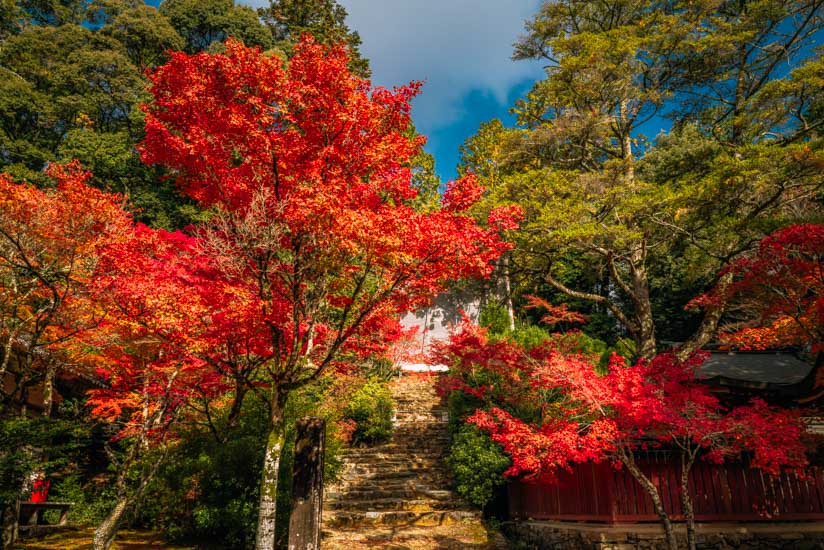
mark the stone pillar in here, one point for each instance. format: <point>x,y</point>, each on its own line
<point>307,484</point>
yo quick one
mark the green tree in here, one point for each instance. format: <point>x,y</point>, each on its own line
<point>73,92</point>
<point>145,34</point>
<point>491,155</point>
<point>205,22</point>
<point>601,199</point>
<point>288,20</point>
<point>50,12</point>
<point>60,78</point>
<point>9,18</point>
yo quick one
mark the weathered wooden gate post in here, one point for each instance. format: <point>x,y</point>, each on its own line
<point>307,484</point>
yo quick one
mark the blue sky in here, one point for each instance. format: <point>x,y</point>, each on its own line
<point>461,49</point>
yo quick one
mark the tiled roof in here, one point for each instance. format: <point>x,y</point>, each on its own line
<point>774,368</point>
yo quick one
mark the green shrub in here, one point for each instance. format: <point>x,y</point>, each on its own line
<point>372,408</point>
<point>58,447</point>
<point>92,502</point>
<point>208,490</point>
<point>460,405</point>
<point>478,465</point>
<point>380,368</point>
<point>494,317</point>
<point>529,336</point>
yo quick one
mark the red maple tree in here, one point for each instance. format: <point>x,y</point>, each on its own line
<point>782,284</point>
<point>148,351</point>
<point>50,243</point>
<point>576,415</point>
<point>306,169</point>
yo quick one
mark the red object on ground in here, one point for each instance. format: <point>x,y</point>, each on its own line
<point>40,492</point>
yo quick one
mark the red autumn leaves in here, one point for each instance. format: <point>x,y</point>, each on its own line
<point>310,250</point>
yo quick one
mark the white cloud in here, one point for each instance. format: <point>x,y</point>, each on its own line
<point>456,46</point>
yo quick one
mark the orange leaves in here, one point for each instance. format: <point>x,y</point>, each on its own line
<point>782,286</point>
<point>462,193</point>
<point>50,243</point>
<point>555,314</point>
<point>231,123</point>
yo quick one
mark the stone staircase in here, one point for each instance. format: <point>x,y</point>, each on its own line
<point>397,495</point>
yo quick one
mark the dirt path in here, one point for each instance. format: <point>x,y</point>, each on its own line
<point>81,539</point>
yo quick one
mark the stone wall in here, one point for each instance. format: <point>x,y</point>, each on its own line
<point>546,535</point>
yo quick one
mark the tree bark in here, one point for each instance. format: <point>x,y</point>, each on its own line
<point>645,341</point>
<point>686,499</point>
<point>307,484</point>
<point>107,530</point>
<point>8,525</point>
<point>652,490</point>
<point>48,389</point>
<point>709,324</point>
<point>267,511</point>
<point>510,308</point>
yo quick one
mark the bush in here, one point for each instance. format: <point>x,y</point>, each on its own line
<point>92,501</point>
<point>460,405</point>
<point>56,447</point>
<point>371,408</point>
<point>494,317</point>
<point>529,336</point>
<point>478,465</point>
<point>208,490</point>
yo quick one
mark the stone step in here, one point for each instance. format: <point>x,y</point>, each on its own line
<point>373,469</point>
<point>407,438</point>
<point>375,486</point>
<point>356,520</point>
<point>424,425</point>
<point>381,492</point>
<point>394,449</point>
<point>390,454</point>
<point>396,495</point>
<point>432,456</point>
<point>432,459</point>
<point>418,476</point>
<point>393,458</point>
<point>457,536</point>
<point>393,466</point>
<point>386,504</point>
<point>421,426</point>
<point>424,441</point>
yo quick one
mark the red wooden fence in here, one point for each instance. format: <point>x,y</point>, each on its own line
<point>728,492</point>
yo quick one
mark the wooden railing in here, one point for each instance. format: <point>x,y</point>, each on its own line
<point>728,492</point>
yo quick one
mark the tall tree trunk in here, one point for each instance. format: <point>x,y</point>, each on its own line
<point>510,309</point>
<point>687,460</point>
<point>267,512</point>
<point>652,490</point>
<point>645,340</point>
<point>709,324</point>
<point>107,530</point>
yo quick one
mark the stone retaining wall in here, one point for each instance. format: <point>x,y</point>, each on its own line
<point>555,535</point>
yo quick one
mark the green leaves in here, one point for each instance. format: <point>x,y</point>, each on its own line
<point>288,20</point>
<point>202,22</point>
<point>619,221</point>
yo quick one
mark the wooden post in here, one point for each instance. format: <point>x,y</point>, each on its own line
<point>307,484</point>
